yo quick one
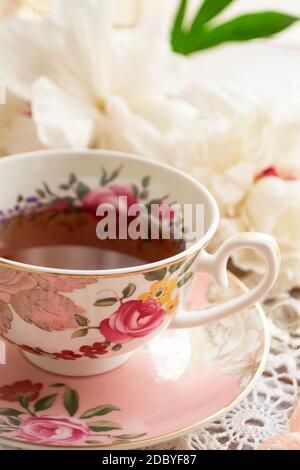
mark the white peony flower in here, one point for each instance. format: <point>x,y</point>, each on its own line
<point>273,206</point>
<point>90,85</point>
<point>9,7</point>
<point>17,130</point>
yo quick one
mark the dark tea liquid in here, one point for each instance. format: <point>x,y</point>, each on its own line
<point>69,241</point>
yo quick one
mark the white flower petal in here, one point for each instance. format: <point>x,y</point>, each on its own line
<point>62,120</point>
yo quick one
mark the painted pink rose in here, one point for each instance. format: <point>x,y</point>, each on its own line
<point>110,195</point>
<point>58,206</point>
<point>12,282</point>
<point>134,319</point>
<point>52,430</point>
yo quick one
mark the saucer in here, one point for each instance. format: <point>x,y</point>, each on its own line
<point>181,380</point>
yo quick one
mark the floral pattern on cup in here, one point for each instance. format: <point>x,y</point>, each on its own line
<point>74,196</point>
<point>39,299</point>
<point>30,420</point>
<point>42,300</point>
<point>139,317</point>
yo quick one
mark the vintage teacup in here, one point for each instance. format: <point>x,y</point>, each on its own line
<point>85,322</point>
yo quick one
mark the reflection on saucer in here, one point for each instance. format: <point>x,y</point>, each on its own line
<point>170,353</point>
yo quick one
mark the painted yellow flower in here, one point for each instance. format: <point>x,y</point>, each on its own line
<point>160,291</point>
<point>172,304</point>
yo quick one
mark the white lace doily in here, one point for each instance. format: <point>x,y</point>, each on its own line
<point>266,411</point>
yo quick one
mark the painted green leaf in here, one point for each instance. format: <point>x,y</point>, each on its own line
<point>114,175</point>
<point>58,385</point>
<point>82,321</point>
<point>117,347</point>
<point>127,437</point>
<point>72,179</point>
<point>10,412</point>
<point>99,411</point>
<point>45,403</point>
<point>64,187</point>
<point>80,333</point>
<point>188,265</point>
<point>23,401</point>
<point>175,267</point>
<point>129,290</point>
<point>14,421</point>
<point>94,443</point>
<point>136,190</point>
<point>104,426</point>
<point>106,178</point>
<point>144,194</point>
<point>157,275</point>
<point>81,190</point>
<point>41,193</point>
<point>71,401</point>
<point>146,181</point>
<point>47,189</point>
<point>106,302</point>
<point>185,279</point>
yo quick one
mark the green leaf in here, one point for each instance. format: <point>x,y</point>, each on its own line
<point>14,421</point>
<point>94,443</point>
<point>203,35</point>
<point>10,412</point>
<point>146,181</point>
<point>209,10</point>
<point>104,426</point>
<point>185,279</point>
<point>64,187</point>
<point>178,33</point>
<point>71,401</point>
<point>188,265</point>
<point>41,193</point>
<point>106,179</point>
<point>242,28</point>
<point>129,290</point>
<point>127,437</point>
<point>105,302</point>
<point>144,194</point>
<point>58,385</point>
<point>80,333</point>
<point>156,275</point>
<point>81,190</point>
<point>114,175</point>
<point>99,411</point>
<point>72,179</point>
<point>45,403</point>
<point>136,190</point>
<point>117,347</point>
<point>175,267</point>
<point>47,189</point>
<point>23,401</point>
<point>82,321</point>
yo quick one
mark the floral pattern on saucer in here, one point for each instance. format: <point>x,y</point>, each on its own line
<point>194,367</point>
<point>236,345</point>
<point>25,419</point>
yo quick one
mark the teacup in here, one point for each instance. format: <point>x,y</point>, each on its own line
<point>68,321</point>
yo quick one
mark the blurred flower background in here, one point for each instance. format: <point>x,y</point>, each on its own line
<point>103,74</point>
